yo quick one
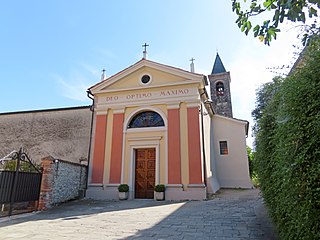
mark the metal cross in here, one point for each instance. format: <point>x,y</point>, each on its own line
<point>145,46</point>
<point>192,59</point>
<point>103,76</point>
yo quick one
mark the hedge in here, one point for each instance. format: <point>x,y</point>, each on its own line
<point>287,144</point>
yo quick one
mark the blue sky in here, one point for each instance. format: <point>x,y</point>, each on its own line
<point>52,51</point>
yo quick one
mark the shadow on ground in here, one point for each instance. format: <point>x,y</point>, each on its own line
<point>229,215</point>
<point>81,208</point>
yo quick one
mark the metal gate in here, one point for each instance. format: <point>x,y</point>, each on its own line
<point>19,187</point>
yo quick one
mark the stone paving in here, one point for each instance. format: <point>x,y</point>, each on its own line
<point>232,214</point>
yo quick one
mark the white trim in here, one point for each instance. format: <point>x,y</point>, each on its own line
<point>144,142</point>
<point>111,185</point>
<point>117,111</point>
<point>146,97</point>
<point>174,185</point>
<point>173,106</point>
<point>104,112</point>
<point>123,153</point>
<point>196,185</point>
<point>132,167</point>
<point>95,185</point>
<point>148,102</point>
<point>232,119</point>
<point>193,104</point>
<point>146,129</point>
<point>93,136</point>
<point>155,138</point>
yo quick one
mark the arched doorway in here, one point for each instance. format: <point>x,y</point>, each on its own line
<point>145,157</point>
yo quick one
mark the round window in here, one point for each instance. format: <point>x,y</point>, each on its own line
<point>145,79</point>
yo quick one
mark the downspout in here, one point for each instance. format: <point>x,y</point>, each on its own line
<point>89,95</point>
<point>203,147</point>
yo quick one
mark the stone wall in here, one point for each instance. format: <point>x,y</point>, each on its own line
<point>62,133</point>
<point>61,181</point>
<point>221,103</point>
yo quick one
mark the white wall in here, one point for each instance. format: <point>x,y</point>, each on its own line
<point>212,178</point>
<point>232,169</point>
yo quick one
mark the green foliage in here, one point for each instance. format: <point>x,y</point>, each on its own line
<point>24,166</point>
<point>160,188</point>
<point>282,10</point>
<point>123,188</point>
<point>287,143</point>
<point>250,160</point>
<point>253,173</point>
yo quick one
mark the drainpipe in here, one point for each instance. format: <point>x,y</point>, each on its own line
<point>203,147</point>
<point>90,95</point>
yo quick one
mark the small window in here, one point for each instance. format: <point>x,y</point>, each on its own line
<point>223,148</point>
<point>219,89</point>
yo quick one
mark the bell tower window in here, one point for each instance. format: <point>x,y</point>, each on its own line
<point>219,89</point>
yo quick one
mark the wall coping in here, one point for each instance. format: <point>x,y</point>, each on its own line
<point>46,110</point>
<point>55,160</point>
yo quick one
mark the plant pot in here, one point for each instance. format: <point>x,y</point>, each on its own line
<point>123,195</point>
<point>159,196</point>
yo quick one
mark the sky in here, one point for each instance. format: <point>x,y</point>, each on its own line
<point>52,51</point>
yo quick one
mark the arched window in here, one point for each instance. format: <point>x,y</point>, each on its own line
<point>146,119</point>
<point>219,89</point>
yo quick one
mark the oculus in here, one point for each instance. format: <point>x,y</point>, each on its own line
<point>145,79</point>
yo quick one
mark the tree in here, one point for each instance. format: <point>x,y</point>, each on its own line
<point>281,10</point>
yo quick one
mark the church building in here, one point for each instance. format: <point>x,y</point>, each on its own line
<point>157,124</point>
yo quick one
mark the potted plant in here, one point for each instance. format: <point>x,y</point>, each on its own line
<point>123,191</point>
<point>159,192</point>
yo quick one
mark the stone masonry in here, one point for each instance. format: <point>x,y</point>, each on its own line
<point>221,103</point>
<point>61,181</point>
<point>230,215</point>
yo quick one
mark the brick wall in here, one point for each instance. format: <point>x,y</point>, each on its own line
<point>61,181</point>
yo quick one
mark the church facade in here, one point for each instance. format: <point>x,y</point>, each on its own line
<point>156,124</point>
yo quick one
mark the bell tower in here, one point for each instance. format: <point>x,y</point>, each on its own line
<point>220,88</point>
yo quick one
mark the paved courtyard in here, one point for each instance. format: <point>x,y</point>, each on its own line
<point>232,214</point>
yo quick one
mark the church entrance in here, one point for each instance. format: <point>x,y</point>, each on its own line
<point>145,172</point>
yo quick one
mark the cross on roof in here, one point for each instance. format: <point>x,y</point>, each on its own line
<point>192,59</point>
<point>145,46</point>
<point>103,75</point>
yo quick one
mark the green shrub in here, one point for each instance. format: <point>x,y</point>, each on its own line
<point>123,188</point>
<point>287,158</point>
<point>160,188</point>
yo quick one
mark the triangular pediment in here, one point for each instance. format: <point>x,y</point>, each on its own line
<point>160,75</point>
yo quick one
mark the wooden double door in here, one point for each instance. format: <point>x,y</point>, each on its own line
<point>145,172</point>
